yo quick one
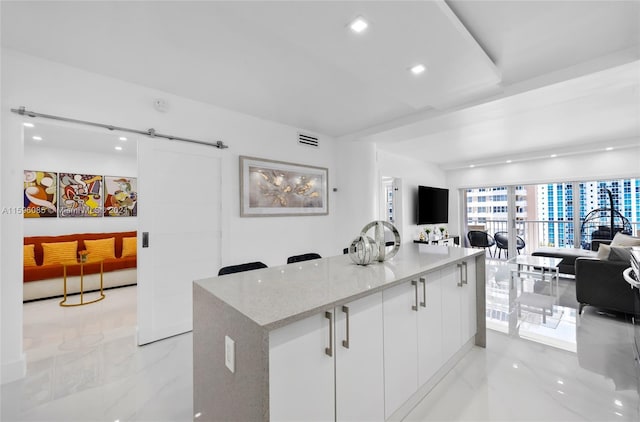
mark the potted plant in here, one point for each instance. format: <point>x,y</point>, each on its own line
<point>442,229</point>
<point>428,232</point>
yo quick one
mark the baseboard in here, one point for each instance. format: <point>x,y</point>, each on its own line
<point>13,371</point>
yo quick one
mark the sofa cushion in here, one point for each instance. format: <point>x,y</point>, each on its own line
<point>28,256</point>
<point>129,246</point>
<point>101,248</point>
<point>603,252</point>
<point>59,252</point>
<point>80,237</point>
<point>619,253</point>
<point>621,239</point>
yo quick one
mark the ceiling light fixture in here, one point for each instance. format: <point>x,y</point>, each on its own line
<point>609,149</point>
<point>122,138</point>
<point>26,124</point>
<point>418,69</point>
<point>509,161</point>
<point>554,155</point>
<point>118,148</point>
<point>472,166</point>
<point>37,138</point>
<point>358,25</point>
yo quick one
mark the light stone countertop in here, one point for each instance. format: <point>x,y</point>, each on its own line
<point>276,296</point>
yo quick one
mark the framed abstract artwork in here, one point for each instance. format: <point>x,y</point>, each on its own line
<point>80,195</point>
<point>120,196</point>
<point>40,194</point>
<point>278,188</point>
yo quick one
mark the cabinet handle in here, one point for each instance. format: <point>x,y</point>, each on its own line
<point>466,276</point>
<point>329,350</point>
<point>424,292</point>
<point>415,284</point>
<point>460,282</point>
<point>345,343</point>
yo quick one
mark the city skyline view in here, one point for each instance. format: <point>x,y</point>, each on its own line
<point>545,213</point>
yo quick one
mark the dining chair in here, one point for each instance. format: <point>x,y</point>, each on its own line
<point>502,242</point>
<point>241,267</point>
<point>481,239</point>
<point>303,257</point>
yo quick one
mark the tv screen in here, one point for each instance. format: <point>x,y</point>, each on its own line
<point>433,205</point>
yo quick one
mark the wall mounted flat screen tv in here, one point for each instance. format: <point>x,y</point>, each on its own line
<point>433,205</point>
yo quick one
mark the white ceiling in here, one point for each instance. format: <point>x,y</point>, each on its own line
<point>502,75</point>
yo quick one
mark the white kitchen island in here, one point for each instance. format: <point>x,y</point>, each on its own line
<point>327,340</point>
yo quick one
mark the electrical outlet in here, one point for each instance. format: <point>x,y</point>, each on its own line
<point>230,353</point>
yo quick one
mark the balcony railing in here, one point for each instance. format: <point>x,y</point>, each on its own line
<point>537,233</point>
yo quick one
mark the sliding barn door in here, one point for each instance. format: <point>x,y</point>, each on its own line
<point>179,188</point>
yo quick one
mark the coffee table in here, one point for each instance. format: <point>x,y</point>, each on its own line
<point>538,266</point>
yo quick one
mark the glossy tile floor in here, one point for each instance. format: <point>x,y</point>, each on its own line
<point>83,364</point>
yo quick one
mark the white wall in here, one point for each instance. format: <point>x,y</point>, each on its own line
<point>51,88</point>
<point>413,174</point>
<point>70,161</point>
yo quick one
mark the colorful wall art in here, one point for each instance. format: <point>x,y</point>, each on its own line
<point>80,195</point>
<point>120,196</point>
<point>40,194</point>
<point>270,188</point>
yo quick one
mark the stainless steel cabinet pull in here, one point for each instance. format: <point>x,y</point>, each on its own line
<point>345,343</point>
<point>460,282</point>
<point>415,284</point>
<point>424,292</point>
<point>329,350</point>
<point>466,275</point>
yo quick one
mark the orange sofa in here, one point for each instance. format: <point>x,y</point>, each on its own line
<point>43,281</point>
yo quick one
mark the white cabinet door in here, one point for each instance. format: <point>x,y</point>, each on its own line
<point>451,310</point>
<point>359,360</point>
<point>468,305</point>
<point>429,326</point>
<point>400,345</point>
<point>301,374</point>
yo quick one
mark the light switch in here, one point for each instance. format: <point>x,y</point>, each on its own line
<point>230,353</point>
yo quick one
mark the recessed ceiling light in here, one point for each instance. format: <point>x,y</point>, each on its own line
<point>609,149</point>
<point>118,148</point>
<point>37,138</point>
<point>618,403</point>
<point>123,138</point>
<point>26,124</point>
<point>472,166</point>
<point>554,155</point>
<point>418,69</point>
<point>358,25</point>
<point>509,161</point>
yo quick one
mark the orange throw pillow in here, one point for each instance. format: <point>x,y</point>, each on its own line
<point>129,246</point>
<point>29,257</point>
<point>101,248</point>
<point>59,252</point>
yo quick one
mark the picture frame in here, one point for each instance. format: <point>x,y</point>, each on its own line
<point>79,195</point>
<point>40,194</point>
<point>120,196</point>
<point>270,188</point>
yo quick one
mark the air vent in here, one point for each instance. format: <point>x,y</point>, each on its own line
<point>310,141</point>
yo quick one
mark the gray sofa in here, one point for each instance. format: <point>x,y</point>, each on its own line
<point>599,281</point>
<point>600,284</point>
<point>568,255</point>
